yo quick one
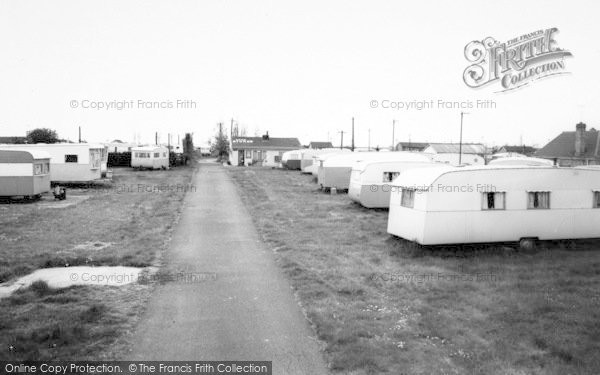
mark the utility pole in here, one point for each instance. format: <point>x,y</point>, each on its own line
<point>460,142</point>
<point>352,134</point>
<point>231,130</point>
<point>342,140</point>
<point>156,138</point>
<point>393,134</point>
<point>80,134</point>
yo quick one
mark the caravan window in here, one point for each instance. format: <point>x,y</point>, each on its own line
<point>538,200</point>
<point>277,158</point>
<point>157,154</point>
<point>493,201</point>
<point>37,169</point>
<point>597,199</point>
<point>408,198</point>
<point>70,158</point>
<point>390,176</point>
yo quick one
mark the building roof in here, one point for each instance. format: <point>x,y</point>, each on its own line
<point>13,140</point>
<point>525,150</point>
<point>454,148</point>
<point>265,143</point>
<point>421,145</point>
<point>320,145</point>
<point>563,146</point>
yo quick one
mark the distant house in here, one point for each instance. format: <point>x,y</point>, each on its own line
<point>204,149</point>
<point>265,151</point>
<point>319,145</point>
<point>411,146</point>
<point>13,140</point>
<point>456,154</point>
<point>117,146</point>
<point>523,150</point>
<point>569,149</point>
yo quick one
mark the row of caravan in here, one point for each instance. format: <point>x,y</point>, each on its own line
<point>510,199</point>
<point>29,169</point>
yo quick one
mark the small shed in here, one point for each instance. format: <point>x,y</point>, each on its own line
<point>150,157</point>
<point>24,172</point>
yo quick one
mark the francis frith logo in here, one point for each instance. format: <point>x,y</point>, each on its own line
<point>514,63</point>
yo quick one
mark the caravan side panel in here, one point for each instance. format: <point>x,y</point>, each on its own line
<point>406,222</point>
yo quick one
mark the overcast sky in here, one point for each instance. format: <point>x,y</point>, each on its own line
<point>297,69</point>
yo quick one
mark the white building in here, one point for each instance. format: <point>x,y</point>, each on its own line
<point>455,154</point>
<point>260,151</point>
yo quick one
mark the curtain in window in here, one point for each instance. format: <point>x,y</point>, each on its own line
<point>408,198</point>
<point>499,200</point>
<point>544,200</point>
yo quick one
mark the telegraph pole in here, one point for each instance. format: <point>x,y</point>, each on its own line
<point>80,134</point>
<point>342,140</point>
<point>352,134</point>
<point>231,130</point>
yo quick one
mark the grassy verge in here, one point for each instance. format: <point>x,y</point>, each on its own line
<point>384,305</point>
<point>126,223</point>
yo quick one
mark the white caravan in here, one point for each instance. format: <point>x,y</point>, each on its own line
<point>70,162</point>
<point>482,204</point>
<point>151,157</point>
<point>371,181</point>
<point>335,171</point>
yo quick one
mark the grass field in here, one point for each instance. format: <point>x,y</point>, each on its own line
<point>128,223</point>
<point>384,305</point>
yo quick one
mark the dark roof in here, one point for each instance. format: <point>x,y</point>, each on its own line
<point>412,145</point>
<point>563,146</point>
<point>13,140</point>
<point>454,148</point>
<point>519,149</point>
<point>320,145</point>
<point>265,143</point>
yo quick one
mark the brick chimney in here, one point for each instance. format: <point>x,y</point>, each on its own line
<point>580,139</point>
